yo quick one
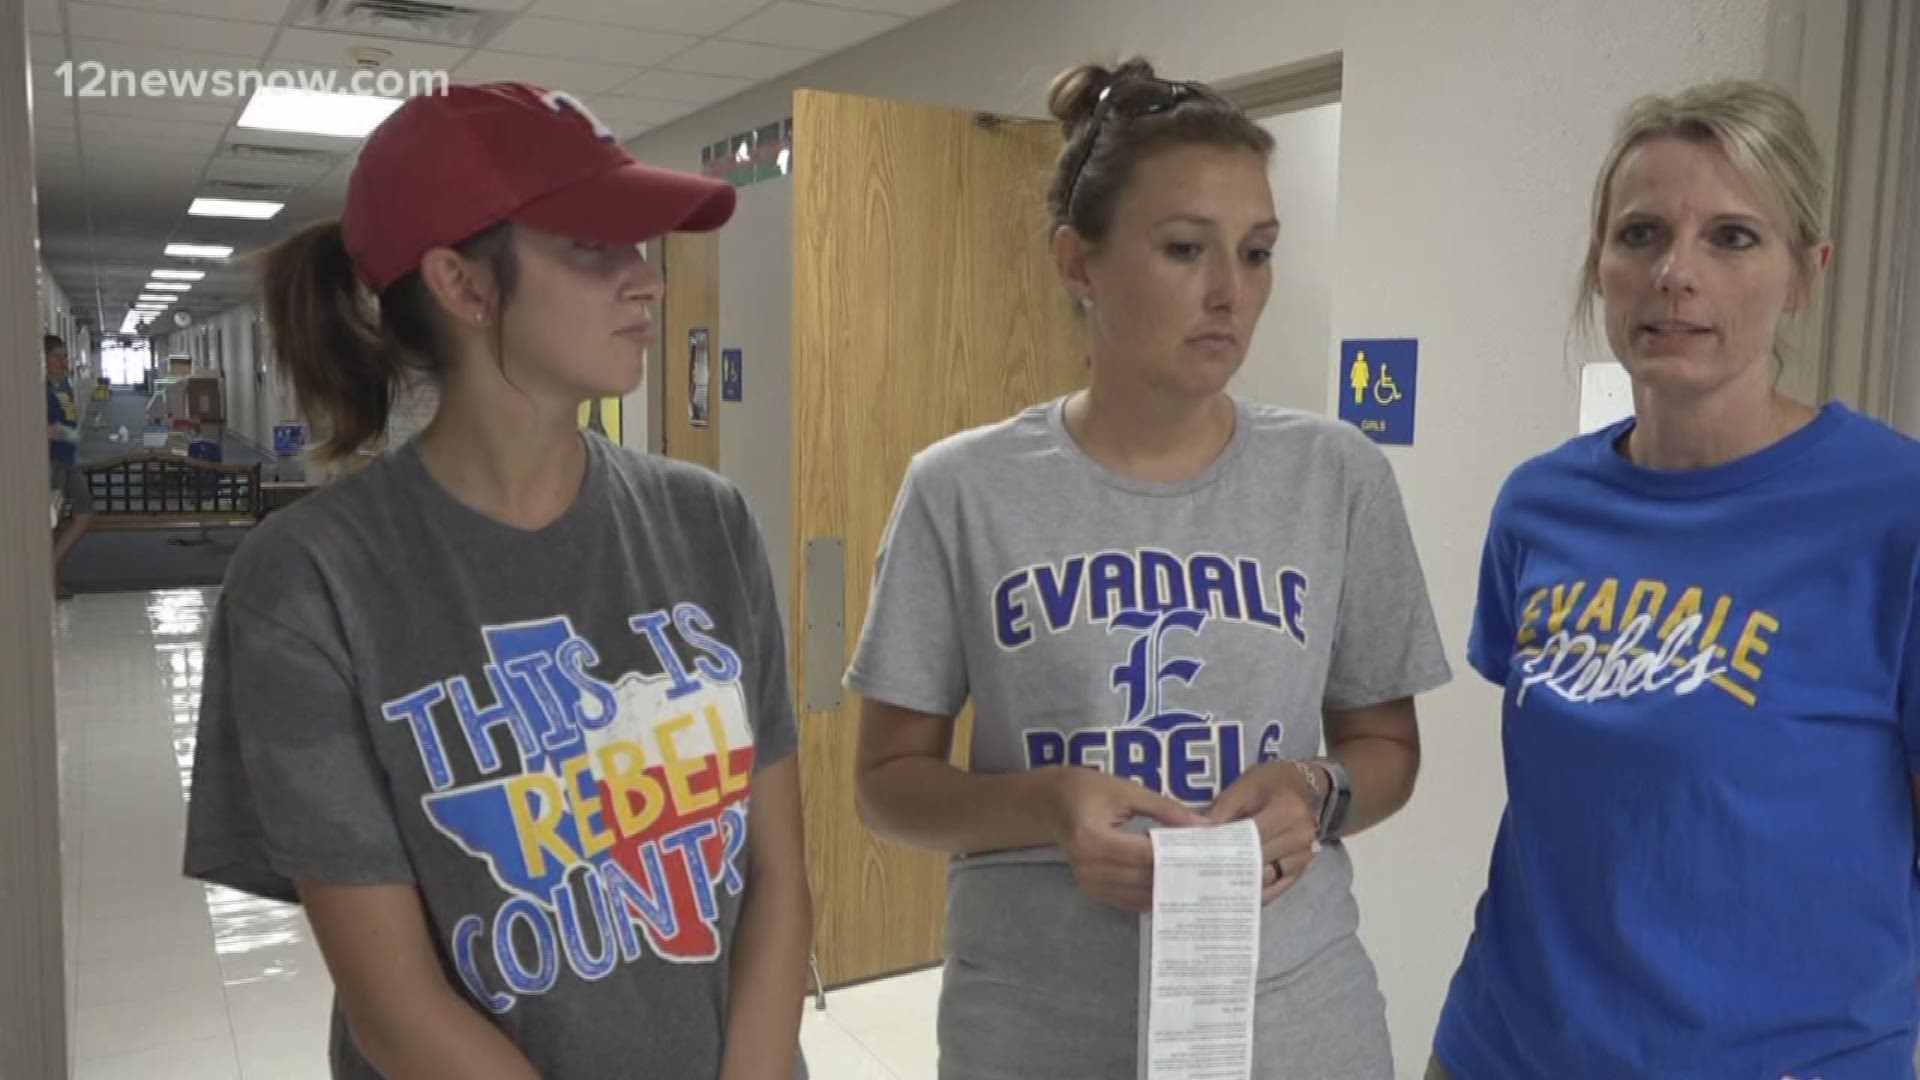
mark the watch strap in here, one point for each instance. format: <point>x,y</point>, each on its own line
<point>1338,803</point>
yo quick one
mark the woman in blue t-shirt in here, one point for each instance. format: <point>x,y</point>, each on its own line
<point>1705,621</point>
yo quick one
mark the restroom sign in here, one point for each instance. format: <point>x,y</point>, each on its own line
<point>1378,379</point>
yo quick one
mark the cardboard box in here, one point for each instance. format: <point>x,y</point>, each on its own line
<point>205,402</point>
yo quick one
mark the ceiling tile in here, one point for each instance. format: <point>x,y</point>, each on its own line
<point>135,60</point>
<point>54,115</point>
<point>200,110</point>
<point>700,17</point>
<point>680,86</point>
<point>43,16</point>
<point>574,76</point>
<point>134,154</point>
<point>740,59</point>
<point>331,49</point>
<point>259,11</point>
<point>46,48</point>
<point>92,124</point>
<point>631,116</point>
<point>811,26</point>
<point>99,22</point>
<point>154,171</point>
<point>911,8</point>
<point>589,41</point>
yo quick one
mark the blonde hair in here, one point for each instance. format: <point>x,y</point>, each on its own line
<point>1763,132</point>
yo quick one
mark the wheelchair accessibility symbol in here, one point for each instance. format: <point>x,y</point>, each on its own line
<point>1379,377</point>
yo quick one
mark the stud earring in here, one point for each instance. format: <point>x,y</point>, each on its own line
<point>1086,302</point>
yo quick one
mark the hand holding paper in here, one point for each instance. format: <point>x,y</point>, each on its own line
<point>1276,797</point>
<point>1090,812</point>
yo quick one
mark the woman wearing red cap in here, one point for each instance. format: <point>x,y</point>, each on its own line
<point>506,708</point>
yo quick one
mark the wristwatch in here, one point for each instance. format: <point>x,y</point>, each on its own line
<point>1338,802</point>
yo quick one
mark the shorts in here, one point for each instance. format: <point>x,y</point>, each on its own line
<point>66,478</point>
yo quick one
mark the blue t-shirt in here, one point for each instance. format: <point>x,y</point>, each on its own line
<point>63,410</point>
<point>1706,867</point>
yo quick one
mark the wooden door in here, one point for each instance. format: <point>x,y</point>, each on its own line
<point>925,302</point>
<point>690,348</point>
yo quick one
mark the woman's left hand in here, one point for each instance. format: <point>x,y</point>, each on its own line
<point>1280,801</point>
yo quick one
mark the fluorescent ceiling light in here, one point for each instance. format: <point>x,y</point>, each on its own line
<point>311,112</point>
<point>157,298</point>
<point>179,275</point>
<point>167,286</point>
<point>199,251</point>
<point>252,209</point>
<point>149,307</point>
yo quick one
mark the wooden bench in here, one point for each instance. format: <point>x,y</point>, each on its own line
<point>155,489</point>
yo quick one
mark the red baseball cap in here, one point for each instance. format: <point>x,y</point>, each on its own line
<point>447,165</point>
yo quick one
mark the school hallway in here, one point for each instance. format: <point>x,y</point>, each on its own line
<point>169,979</point>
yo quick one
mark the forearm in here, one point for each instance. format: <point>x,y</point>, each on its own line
<point>1382,772</point>
<point>926,802</point>
<point>767,980</point>
<point>437,1035</point>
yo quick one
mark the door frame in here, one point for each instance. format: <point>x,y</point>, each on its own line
<point>1292,87</point>
<point>1854,66</point>
<point>34,995</point>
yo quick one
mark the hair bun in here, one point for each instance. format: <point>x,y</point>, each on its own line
<point>1076,91</point>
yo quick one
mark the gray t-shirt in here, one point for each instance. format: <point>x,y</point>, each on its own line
<point>1174,633</point>
<point>552,734</point>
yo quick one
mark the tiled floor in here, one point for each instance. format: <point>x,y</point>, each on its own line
<point>172,980</point>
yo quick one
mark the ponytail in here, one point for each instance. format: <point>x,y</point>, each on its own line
<point>328,339</point>
<point>348,357</point>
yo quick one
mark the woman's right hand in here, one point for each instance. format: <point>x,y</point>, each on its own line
<point>1088,812</point>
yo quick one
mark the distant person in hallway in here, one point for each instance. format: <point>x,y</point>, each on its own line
<point>1705,622</point>
<point>63,455</point>
<point>506,708</point>
<point>1170,607</point>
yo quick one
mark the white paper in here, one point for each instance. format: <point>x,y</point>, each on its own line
<point>1201,953</point>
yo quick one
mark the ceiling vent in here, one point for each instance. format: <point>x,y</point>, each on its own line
<point>288,155</point>
<point>409,20</point>
<point>250,189</point>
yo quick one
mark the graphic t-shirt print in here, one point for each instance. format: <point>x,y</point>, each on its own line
<point>617,819</point>
<point>1166,724</point>
<point>1619,637</point>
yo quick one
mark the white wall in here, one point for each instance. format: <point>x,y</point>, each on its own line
<point>1469,135</point>
<point>756,316</point>
<point>56,317</point>
<point>1292,348</point>
<point>1906,374</point>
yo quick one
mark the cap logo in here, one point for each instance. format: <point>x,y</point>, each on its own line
<point>560,102</point>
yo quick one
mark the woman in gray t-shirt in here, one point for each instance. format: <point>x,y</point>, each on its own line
<point>1168,591</point>
<point>505,708</point>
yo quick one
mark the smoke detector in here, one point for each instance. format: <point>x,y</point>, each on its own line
<point>369,57</point>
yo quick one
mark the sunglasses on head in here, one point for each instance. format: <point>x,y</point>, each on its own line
<point>1132,98</point>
